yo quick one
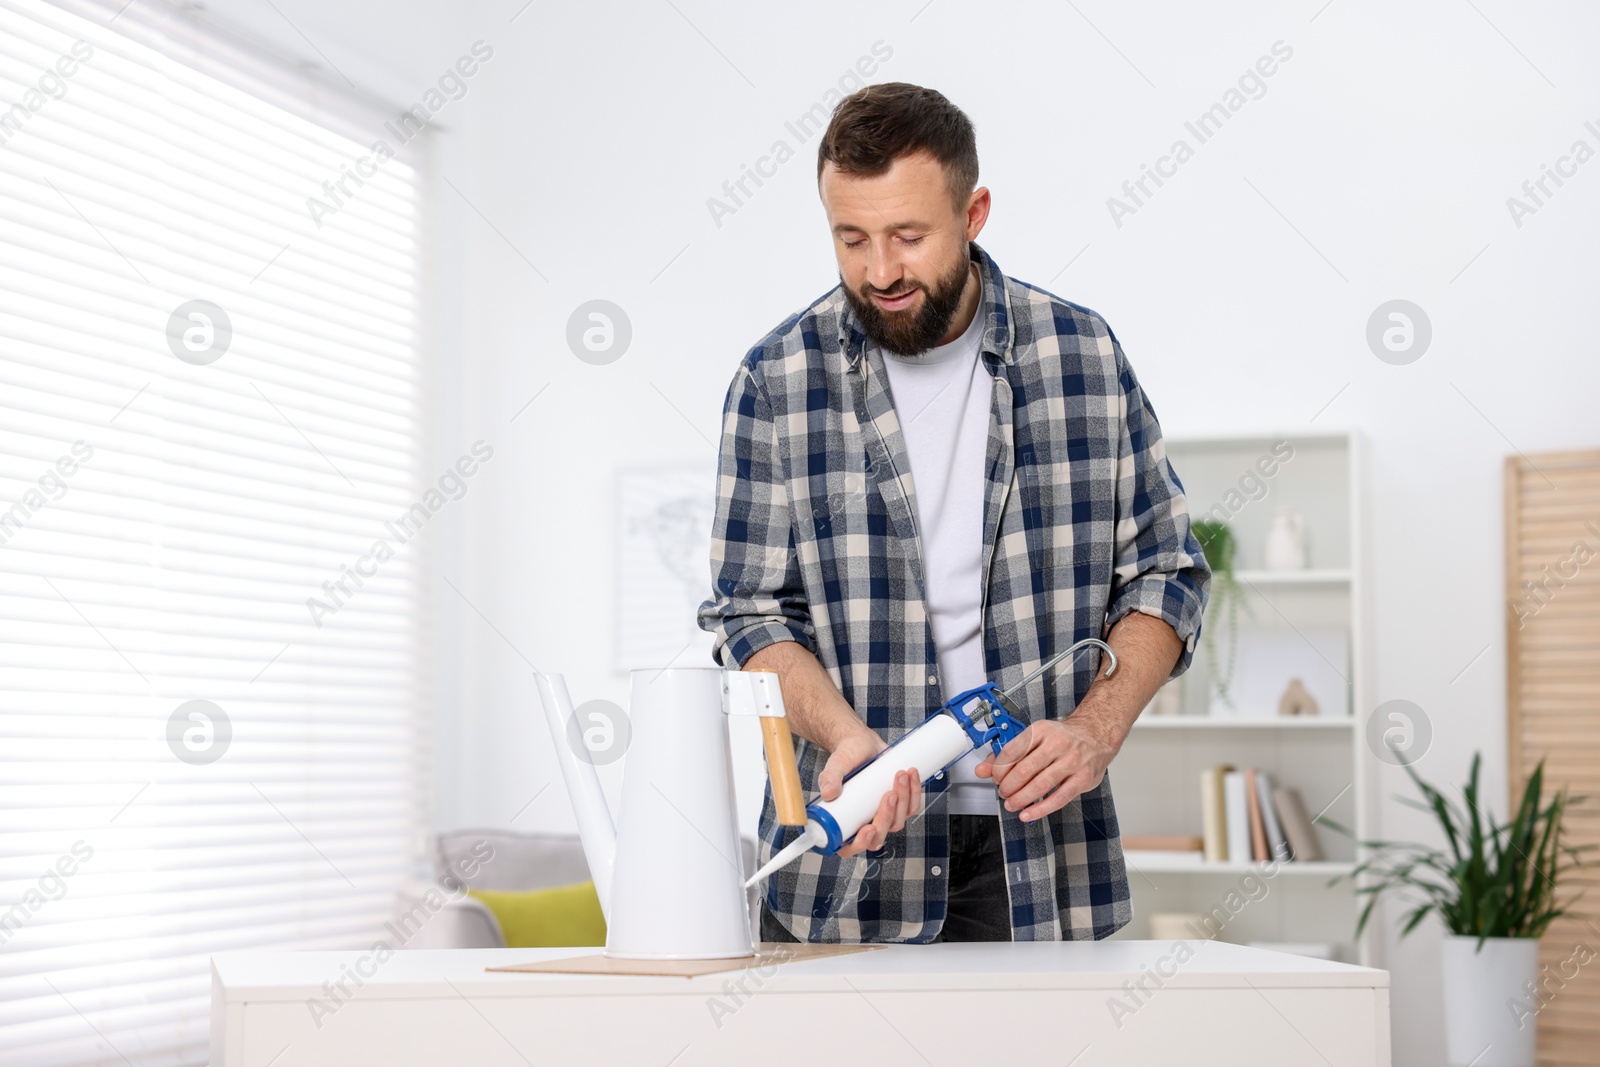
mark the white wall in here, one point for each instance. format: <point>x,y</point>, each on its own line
<point>1376,166</point>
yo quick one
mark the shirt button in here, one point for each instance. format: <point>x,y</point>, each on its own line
<point>939,775</point>
<point>933,679</point>
<point>937,870</point>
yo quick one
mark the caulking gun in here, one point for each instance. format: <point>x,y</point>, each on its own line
<point>930,748</point>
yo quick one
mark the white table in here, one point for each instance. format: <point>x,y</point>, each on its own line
<point>1029,1003</point>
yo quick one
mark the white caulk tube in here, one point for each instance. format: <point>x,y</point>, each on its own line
<point>929,749</point>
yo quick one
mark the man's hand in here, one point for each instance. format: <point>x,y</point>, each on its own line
<point>819,713</point>
<point>1062,756</point>
<point>1070,756</point>
<point>898,805</point>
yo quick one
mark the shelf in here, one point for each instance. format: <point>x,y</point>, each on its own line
<point>1331,577</point>
<point>1219,722</point>
<point>1229,440</point>
<point>1324,868</point>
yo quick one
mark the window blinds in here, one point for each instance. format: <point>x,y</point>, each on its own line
<point>210,683</point>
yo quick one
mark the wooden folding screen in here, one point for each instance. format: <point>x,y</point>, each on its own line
<point>1552,509</point>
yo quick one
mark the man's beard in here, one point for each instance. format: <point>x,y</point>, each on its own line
<point>903,333</point>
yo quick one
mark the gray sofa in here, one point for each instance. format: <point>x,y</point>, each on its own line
<point>520,861</point>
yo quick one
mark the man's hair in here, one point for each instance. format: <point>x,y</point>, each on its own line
<point>873,127</point>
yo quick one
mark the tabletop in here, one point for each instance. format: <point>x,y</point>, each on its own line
<point>282,975</point>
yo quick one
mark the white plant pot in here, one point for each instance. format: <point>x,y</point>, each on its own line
<point>1480,989</point>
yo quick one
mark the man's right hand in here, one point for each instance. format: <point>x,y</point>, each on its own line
<point>819,713</point>
<point>896,808</point>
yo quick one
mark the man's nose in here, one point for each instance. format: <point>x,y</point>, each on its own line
<point>884,271</point>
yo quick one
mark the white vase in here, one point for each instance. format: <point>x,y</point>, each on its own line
<point>1286,541</point>
<point>1481,992</point>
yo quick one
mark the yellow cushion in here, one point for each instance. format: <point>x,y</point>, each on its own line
<point>548,918</point>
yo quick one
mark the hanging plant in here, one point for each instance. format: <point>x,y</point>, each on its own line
<point>1218,543</point>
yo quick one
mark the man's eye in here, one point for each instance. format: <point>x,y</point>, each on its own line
<point>907,240</point>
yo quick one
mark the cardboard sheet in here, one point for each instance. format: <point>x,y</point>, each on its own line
<point>767,954</point>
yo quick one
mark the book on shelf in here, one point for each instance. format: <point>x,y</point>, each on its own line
<point>1246,816</point>
<point>1213,821</point>
<point>1236,813</point>
<point>1300,832</point>
<point>1162,843</point>
<point>1258,824</point>
<point>1271,820</point>
<point>1165,850</point>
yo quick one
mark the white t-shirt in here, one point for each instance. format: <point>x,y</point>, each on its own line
<point>942,398</point>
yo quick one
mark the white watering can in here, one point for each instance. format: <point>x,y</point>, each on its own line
<point>669,875</point>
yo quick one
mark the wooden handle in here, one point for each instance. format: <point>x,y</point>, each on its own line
<point>783,770</point>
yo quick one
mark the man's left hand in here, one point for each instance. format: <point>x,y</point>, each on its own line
<point>1042,769</point>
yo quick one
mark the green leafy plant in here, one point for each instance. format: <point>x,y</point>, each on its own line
<point>1492,880</point>
<point>1220,547</point>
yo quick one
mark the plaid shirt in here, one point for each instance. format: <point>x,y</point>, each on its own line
<point>814,540</point>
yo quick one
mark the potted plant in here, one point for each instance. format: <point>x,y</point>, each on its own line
<point>1220,547</point>
<point>1494,887</point>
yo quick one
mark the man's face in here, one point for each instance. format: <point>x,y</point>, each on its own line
<point>902,249</point>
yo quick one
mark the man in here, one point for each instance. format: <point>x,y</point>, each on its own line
<point>933,476</point>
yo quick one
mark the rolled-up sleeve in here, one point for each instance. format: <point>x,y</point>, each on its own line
<point>757,596</point>
<point>1159,567</point>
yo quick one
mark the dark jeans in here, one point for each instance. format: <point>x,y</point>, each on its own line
<point>977,907</point>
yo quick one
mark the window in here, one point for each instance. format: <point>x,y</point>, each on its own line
<point>212,667</point>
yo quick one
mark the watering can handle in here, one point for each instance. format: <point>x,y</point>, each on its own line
<point>783,770</point>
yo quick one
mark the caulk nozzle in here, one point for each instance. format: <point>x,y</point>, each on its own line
<point>812,836</point>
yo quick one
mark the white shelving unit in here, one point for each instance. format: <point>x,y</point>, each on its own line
<point>1156,777</point>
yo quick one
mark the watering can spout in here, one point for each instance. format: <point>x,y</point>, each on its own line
<point>596,830</point>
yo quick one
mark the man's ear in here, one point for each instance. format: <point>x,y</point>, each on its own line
<point>977,213</point>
